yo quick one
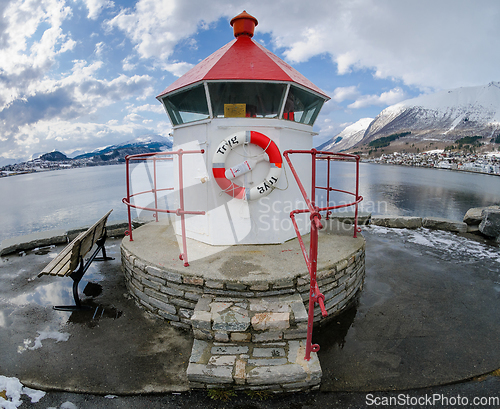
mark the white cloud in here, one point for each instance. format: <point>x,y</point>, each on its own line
<point>96,6</point>
<point>155,27</point>
<point>178,68</point>
<point>426,44</point>
<point>341,94</point>
<point>384,99</point>
<point>156,108</point>
<point>433,44</point>
<point>99,48</point>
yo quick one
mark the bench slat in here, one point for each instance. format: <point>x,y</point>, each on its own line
<point>62,268</point>
<point>67,260</point>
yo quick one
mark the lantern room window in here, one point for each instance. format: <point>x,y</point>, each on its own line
<point>187,106</point>
<point>302,106</point>
<point>246,99</point>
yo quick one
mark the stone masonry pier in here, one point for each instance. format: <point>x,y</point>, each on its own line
<point>162,285</point>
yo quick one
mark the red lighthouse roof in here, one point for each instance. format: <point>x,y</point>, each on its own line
<point>242,59</point>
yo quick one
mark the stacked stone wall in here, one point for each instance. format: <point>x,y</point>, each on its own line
<point>173,295</point>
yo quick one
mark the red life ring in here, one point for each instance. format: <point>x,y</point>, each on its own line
<point>221,173</point>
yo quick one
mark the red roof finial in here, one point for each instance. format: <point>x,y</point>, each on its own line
<point>244,24</point>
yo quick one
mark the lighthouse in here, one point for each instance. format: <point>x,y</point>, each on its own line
<point>243,106</point>
<point>246,210</point>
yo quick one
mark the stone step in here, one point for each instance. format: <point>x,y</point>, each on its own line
<point>275,366</point>
<point>256,343</point>
<point>224,319</point>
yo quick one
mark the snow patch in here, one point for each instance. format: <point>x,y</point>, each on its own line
<point>13,389</point>
<point>42,335</point>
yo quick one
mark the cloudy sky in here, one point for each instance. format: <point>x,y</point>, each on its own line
<point>76,75</point>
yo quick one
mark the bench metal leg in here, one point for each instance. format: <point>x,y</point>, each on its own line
<point>78,274</point>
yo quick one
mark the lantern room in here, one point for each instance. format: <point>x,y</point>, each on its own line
<point>243,106</point>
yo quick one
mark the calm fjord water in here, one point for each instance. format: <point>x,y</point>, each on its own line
<point>76,197</point>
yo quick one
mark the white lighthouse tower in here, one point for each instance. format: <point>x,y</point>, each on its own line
<point>246,210</point>
<point>243,106</point>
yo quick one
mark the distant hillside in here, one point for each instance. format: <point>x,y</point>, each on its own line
<point>54,156</point>
<point>103,156</point>
<point>117,153</point>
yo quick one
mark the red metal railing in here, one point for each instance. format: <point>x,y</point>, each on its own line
<point>155,157</point>
<point>315,295</point>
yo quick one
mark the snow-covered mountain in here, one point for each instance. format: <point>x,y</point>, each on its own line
<point>349,137</point>
<point>141,144</point>
<point>444,116</point>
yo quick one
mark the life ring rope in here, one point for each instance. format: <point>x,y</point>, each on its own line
<point>244,138</point>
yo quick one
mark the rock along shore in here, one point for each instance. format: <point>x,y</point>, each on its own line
<point>55,237</point>
<point>483,220</point>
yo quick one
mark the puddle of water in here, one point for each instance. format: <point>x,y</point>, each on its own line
<point>92,316</point>
<point>332,334</point>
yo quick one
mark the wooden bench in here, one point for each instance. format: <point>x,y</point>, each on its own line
<point>70,262</point>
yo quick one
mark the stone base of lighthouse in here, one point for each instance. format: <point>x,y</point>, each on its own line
<point>246,304</point>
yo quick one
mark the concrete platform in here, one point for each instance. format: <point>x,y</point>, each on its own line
<point>427,316</point>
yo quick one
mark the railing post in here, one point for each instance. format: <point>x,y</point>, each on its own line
<point>183,255</point>
<point>155,187</point>
<point>315,295</point>
<point>328,212</point>
<point>357,197</point>
<point>129,232</point>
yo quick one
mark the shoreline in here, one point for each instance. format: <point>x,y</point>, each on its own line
<point>430,167</point>
<point>19,244</point>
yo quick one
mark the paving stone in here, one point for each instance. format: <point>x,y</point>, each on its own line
<point>262,305</point>
<point>214,284</point>
<point>230,320</point>
<point>260,287</point>
<point>203,303</point>
<point>217,306</point>
<point>167,316</point>
<point>288,373</point>
<point>229,350</point>
<point>293,349</point>
<point>169,308</point>
<point>222,360</point>
<point>192,296</point>
<point>198,350</point>
<point>271,320</point>
<point>241,336</point>
<point>221,336</point>
<point>267,361</point>
<point>202,334</point>
<point>209,374</point>
<point>240,372</point>
<point>299,311</point>
<point>192,280</point>
<point>236,286</point>
<point>268,352</point>
<point>295,333</point>
<point>274,344</point>
<point>267,336</point>
<point>201,320</point>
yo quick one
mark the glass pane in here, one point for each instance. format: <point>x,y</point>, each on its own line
<point>261,100</point>
<point>302,106</point>
<point>187,106</point>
